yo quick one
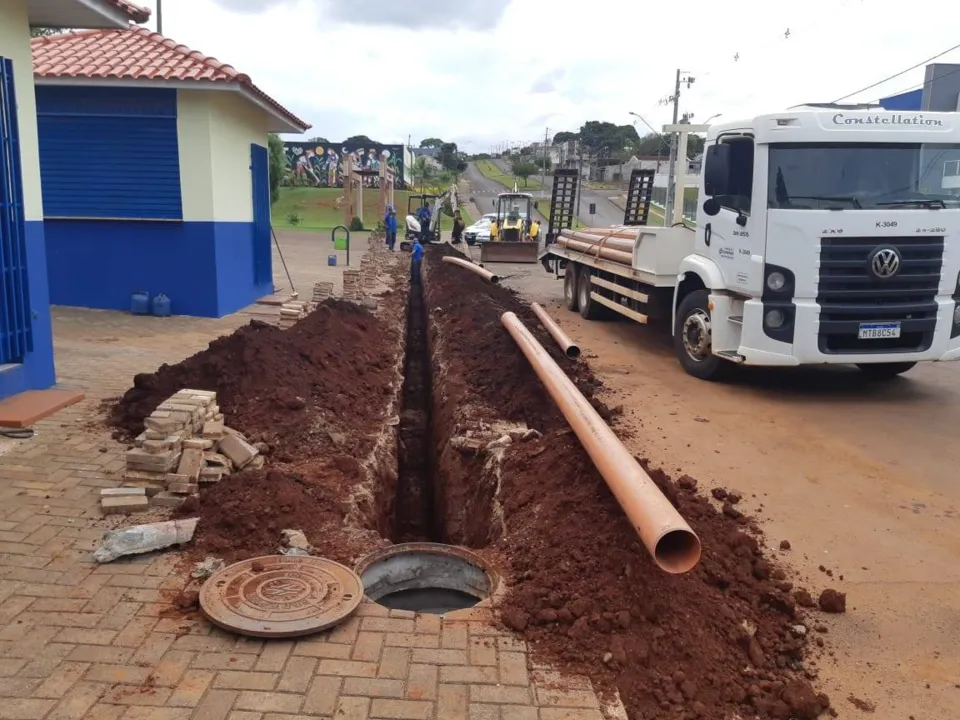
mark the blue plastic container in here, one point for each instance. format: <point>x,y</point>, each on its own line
<point>161,306</point>
<point>332,260</point>
<point>140,303</point>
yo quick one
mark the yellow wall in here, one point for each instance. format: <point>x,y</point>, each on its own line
<point>15,45</point>
<point>216,130</point>
<point>196,161</point>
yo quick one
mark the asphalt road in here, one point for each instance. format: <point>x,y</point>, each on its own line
<point>607,213</point>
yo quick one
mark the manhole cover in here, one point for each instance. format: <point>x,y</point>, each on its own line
<point>281,596</point>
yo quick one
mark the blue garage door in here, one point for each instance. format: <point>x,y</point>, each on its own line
<point>109,153</point>
<point>16,338</point>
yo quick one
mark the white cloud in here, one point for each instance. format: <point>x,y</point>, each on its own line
<point>487,71</point>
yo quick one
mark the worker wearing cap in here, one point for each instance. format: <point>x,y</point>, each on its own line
<point>416,257</point>
<point>390,226</point>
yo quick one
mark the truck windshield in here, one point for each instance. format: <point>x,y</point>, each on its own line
<point>864,176</point>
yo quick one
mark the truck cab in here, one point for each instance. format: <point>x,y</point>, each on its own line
<point>828,235</point>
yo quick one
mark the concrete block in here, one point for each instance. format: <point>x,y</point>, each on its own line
<point>208,476</point>
<point>216,460</point>
<point>122,492</point>
<point>167,499</point>
<point>191,462</point>
<point>198,444</point>
<point>138,459</point>
<point>240,452</point>
<point>128,504</point>
<point>212,430</point>
<point>180,488</point>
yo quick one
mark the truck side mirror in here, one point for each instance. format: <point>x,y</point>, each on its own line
<point>716,173</point>
<point>711,206</point>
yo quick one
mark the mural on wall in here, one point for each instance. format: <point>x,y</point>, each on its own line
<point>310,165</point>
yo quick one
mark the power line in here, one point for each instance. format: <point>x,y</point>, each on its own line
<point>923,84</point>
<point>902,72</point>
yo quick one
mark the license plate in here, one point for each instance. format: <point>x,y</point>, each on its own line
<point>878,331</point>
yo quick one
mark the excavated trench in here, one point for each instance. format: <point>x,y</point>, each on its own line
<point>421,572</point>
<point>415,508</point>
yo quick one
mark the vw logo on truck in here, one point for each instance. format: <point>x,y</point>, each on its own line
<point>885,262</point>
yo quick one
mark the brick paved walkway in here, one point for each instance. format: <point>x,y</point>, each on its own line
<point>78,640</point>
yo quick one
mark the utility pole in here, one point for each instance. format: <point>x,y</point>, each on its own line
<point>543,166</point>
<point>160,17</point>
<point>672,172</point>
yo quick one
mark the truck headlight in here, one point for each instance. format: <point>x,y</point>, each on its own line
<point>774,319</point>
<point>776,281</point>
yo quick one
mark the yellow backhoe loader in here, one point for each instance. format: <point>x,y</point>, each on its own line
<point>513,243</point>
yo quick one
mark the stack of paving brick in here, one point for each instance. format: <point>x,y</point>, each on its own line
<point>368,274</point>
<point>292,312</point>
<point>351,285</point>
<point>184,445</point>
<point>322,291</point>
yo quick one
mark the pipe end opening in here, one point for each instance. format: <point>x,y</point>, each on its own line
<point>573,352</point>
<point>678,551</point>
<point>495,279</point>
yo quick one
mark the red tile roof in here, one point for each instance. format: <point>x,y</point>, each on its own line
<point>136,13</point>
<point>137,53</point>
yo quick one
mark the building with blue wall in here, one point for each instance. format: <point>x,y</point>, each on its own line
<point>26,342</point>
<point>153,162</point>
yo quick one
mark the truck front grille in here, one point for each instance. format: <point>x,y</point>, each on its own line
<point>850,294</point>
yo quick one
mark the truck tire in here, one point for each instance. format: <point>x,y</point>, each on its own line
<point>570,289</point>
<point>692,339</point>
<point>589,310</point>
<point>884,371</point>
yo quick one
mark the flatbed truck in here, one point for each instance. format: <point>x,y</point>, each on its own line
<point>824,235</point>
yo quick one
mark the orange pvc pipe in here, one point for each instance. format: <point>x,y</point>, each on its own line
<point>485,274</point>
<point>569,347</point>
<point>666,535</point>
<point>596,250</point>
<point>602,240</point>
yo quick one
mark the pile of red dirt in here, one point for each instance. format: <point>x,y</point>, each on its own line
<point>244,516</point>
<point>322,384</point>
<point>720,641</point>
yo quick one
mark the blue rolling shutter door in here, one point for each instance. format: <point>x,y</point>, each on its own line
<point>262,250</point>
<point>109,155</point>
<point>16,328</point>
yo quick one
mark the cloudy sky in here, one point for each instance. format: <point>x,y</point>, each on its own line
<point>482,72</point>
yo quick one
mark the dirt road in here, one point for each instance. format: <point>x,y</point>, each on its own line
<point>860,478</point>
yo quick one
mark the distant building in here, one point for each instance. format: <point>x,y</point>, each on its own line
<point>940,91</point>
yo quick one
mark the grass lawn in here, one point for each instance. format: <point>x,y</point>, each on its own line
<point>319,209</point>
<point>492,172</point>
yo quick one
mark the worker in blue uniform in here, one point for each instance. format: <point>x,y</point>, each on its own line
<point>390,225</point>
<point>415,258</point>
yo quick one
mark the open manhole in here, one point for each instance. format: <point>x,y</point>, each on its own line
<point>426,578</point>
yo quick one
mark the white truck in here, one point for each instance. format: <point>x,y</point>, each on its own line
<point>824,234</point>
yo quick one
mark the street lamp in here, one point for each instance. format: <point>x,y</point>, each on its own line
<point>712,117</point>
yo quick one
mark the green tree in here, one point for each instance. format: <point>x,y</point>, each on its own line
<point>277,165</point>
<point>46,32</point>
<point>431,143</point>
<point>360,140</point>
<point>424,172</point>
<point>318,140</point>
<point>542,162</point>
<point>564,136</point>
<point>449,156</point>
<point>523,168</point>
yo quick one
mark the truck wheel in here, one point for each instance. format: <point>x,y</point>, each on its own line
<point>589,310</point>
<point>884,371</point>
<point>692,339</point>
<point>570,289</point>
